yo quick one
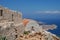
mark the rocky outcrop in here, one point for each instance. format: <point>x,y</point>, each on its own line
<point>12,26</point>
<point>37,36</point>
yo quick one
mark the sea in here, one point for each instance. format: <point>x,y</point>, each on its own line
<point>52,21</point>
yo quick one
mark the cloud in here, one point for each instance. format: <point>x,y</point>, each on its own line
<point>48,12</point>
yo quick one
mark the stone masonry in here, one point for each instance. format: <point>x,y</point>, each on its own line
<point>9,21</point>
<point>10,15</point>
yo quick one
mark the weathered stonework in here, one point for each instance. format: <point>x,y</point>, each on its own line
<point>10,15</point>
<point>10,23</point>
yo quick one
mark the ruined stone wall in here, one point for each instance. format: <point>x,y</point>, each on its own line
<point>10,15</point>
<point>7,19</point>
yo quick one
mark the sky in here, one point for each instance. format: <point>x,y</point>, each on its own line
<point>46,10</point>
<point>35,9</point>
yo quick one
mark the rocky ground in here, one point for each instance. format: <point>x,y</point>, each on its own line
<point>15,34</point>
<point>35,36</point>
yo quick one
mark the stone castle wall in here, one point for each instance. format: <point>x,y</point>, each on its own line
<point>10,15</point>
<point>8,21</point>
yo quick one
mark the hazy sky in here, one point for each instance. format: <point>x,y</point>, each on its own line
<point>40,9</point>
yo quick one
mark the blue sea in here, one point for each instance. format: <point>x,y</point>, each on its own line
<point>52,21</point>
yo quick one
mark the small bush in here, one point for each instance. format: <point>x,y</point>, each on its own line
<point>3,38</point>
<point>26,32</point>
